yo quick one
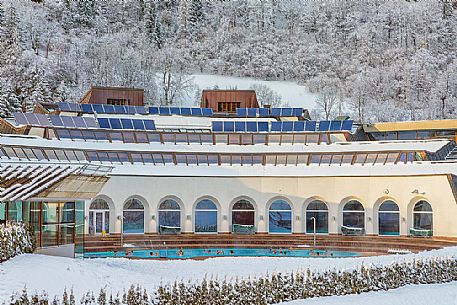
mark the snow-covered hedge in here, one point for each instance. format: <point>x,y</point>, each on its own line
<point>15,238</point>
<point>270,289</point>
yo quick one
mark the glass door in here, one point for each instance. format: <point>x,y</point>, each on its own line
<point>99,222</point>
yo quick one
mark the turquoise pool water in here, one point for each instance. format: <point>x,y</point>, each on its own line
<point>176,253</point>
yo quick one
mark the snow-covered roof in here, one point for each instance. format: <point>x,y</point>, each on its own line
<point>22,181</point>
<point>339,147</point>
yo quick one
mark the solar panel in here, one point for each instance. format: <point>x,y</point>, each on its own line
<point>229,126</point>
<point>90,122</point>
<point>196,111</point>
<point>276,126</point>
<point>287,126</point>
<point>264,112</point>
<point>56,120</point>
<point>275,112</point>
<point>79,122</point>
<point>108,109</point>
<point>67,121</point>
<point>286,111</point>
<point>119,109</point>
<point>324,125</point>
<point>104,123</point>
<point>186,111</point>
<point>43,120</point>
<point>251,127</point>
<point>31,119</point>
<point>262,126</point>
<point>175,110</point>
<point>335,125</point>
<point>153,110</point>
<point>115,123</point>
<point>299,126</point>
<point>252,112</point>
<point>164,110</point>
<point>240,126</point>
<point>98,108</point>
<point>207,112</point>
<point>140,110</point>
<point>149,125</point>
<point>20,118</point>
<point>217,126</point>
<point>75,107</point>
<point>241,112</point>
<point>63,106</point>
<point>87,108</point>
<point>130,109</point>
<point>347,125</point>
<point>297,111</point>
<point>127,124</point>
<point>310,126</point>
<point>138,124</point>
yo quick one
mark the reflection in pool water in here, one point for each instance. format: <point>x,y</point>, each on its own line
<point>180,253</point>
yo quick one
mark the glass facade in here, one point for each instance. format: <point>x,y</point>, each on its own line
<point>133,220</point>
<point>242,214</point>
<point>169,216</point>
<point>423,216</point>
<point>389,218</point>
<point>99,217</point>
<point>206,217</point>
<point>280,217</point>
<point>318,210</point>
<point>354,215</point>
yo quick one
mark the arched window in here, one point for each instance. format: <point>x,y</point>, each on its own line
<point>243,217</point>
<point>318,210</point>
<point>133,220</point>
<point>205,217</point>
<point>169,217</point>
<point>354,215</point>
<point>98,217</point>
<point>388,218</point>
<point>423,216</point>
<point>280,217</point>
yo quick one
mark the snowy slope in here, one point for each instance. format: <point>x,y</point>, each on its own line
<point>53,274</point>
<point>292,93</point>
<point>439,294</point>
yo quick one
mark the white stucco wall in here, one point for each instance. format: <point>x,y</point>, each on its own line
<point>298,191</point>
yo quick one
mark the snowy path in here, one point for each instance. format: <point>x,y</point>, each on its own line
<point>440,294</point>
<point>53,274</point>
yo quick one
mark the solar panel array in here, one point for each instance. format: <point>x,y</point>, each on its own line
<point>112,109</point>
<point>181,111</point>
<point>287,126</point>
<point>34,119</point>
<point>69,107</point>
<point>73,121</point>
<point>335,125</point>
<point>239,126</point>
<point>284,112</point>
<point>253,112</point>
<point>134,124</point>
<point>297,126</point>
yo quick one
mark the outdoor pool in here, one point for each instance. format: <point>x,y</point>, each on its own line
<point>179,253</point>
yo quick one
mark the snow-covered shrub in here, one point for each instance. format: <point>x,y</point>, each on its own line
<point>15,239</point>
<point>271,289</point>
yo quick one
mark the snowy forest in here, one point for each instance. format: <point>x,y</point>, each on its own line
<point>372,60</point>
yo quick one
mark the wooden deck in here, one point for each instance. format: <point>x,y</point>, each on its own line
<point>363,244</point>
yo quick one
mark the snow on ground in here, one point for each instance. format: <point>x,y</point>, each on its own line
<point>53,274</point>
<point>439,294</point>
<point>292,93</point>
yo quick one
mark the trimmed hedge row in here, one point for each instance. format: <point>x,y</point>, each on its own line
<point>270,289</point>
